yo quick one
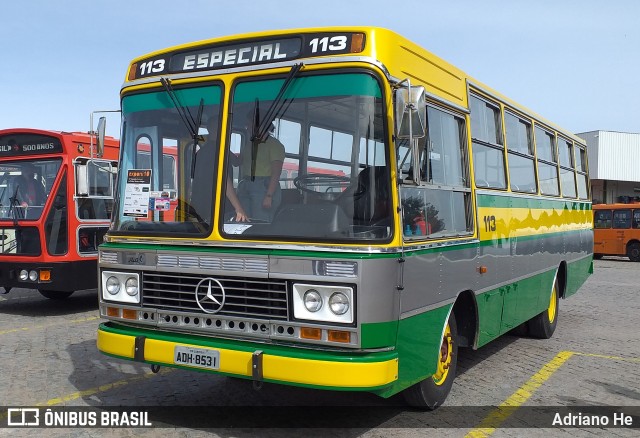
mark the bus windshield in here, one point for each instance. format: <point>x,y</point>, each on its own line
<point>320,160</point>
<point>318,170</point>
<point>25,187</point>
<point>169,150</point>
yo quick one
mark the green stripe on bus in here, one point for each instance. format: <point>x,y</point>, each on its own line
<point>212,95</point>
<point>311,86</point>
<point>395,252</point>
<point>495,201</point>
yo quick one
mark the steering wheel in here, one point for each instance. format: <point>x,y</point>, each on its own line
<point>322,185</point>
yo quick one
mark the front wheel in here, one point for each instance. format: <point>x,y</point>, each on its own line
<point>432,391</point>
<point>55,295</point>
<point>633,251</point>
<point>543,325</point>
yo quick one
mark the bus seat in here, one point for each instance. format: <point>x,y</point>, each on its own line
<point>372,197</point>
<point>291,196</point>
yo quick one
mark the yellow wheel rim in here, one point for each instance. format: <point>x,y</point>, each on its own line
<point>444,359</point>
<point>553,309</point>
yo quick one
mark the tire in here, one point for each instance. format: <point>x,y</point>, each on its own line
<point>543,325</point>
<point>432,391</point>
<point>55,295</point>
<point>597,256</point>
<point>633,251</point>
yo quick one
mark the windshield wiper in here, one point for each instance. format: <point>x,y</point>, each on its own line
<point>276,105</point>
<point>14,206</point>
<point>260,128</point>
<point>183,112</point>
<point>191,124</point>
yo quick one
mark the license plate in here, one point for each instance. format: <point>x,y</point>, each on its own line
<point>196,357</point>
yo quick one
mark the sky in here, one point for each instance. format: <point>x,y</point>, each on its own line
<point>574,62</point>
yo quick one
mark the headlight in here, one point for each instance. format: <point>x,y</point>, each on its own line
<point>324,303</point>
<point>33,275</point>
<point>120,287</point>
<point>24,275</point>
<point>131,286</point>
<point>339,303</point>
<point>312,300</point>
<point>113,285</point>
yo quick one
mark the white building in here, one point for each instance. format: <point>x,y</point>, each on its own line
<point>614,165</point>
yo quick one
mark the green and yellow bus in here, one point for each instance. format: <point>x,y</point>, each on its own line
<point>428,212</point>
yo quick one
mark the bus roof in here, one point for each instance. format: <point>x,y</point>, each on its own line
<point>616,206</point>
<point>26,142</point>
<point>398,56</point>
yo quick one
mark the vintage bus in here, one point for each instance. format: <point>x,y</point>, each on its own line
<point>448,215</point>
<point>616,230</point>
<point>56,198</point>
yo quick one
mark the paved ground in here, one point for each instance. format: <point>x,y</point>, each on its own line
<point>48,358</point>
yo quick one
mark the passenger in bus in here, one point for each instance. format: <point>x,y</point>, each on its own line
<point>30,190</point>
<point>205,129</point>
<point>232,196</point>
<point>260,193</point>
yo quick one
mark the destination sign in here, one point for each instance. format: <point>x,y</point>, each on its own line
<point>247,53</point>
<point>28,144</point>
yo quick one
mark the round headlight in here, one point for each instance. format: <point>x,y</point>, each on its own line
<point>131,286</point>
<point>33,275</point>
<point>113,285</point>
<point>312,300</point>
<point>339,303</point>
<point>24,275</point>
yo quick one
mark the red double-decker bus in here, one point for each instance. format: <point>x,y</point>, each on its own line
<point>56,197</point>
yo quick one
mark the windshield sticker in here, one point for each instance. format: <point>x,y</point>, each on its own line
<point>160,201</point>
<point>137,193</point>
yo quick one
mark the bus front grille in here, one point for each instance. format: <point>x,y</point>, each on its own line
<point>255,298</point>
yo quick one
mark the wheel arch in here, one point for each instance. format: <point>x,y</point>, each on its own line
<point>561,277</point>
<point>465,310</point>
<point>629,243</point>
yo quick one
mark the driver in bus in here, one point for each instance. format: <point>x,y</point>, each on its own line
<point>260,193</point>
<point>30,190</point>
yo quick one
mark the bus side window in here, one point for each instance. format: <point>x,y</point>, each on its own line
<point>622,219</point>
<point>602,219</point>
<point>488,145</point>
<point>440,207</point>
<point>636,218</point>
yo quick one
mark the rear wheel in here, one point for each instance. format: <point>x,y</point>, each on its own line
<point>633,251</point>
<point>543,325</point>
<point>432,392</point>
<point>54,294</point>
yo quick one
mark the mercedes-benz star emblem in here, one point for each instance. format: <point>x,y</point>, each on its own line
<point>210,295</point>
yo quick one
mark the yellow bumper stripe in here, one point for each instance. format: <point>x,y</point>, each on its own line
<point>275,368</point>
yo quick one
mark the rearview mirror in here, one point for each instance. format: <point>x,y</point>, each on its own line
<point>102,126</point>
<point>411,112</point>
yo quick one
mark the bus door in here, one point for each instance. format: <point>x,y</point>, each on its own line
<point>602,236</point>
<point>621,225</point>
<point>95,181</point>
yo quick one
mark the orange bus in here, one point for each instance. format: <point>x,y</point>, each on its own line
<point>56,198</point>
<point>616,230</point>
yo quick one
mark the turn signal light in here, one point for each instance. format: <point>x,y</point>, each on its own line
<point>129,314</point>
<point>339,336</point>
<point>45,275</point>
<point>132,71</point>
<point>310,333</point>
<point>113,311</point>
<point>357,42</point>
